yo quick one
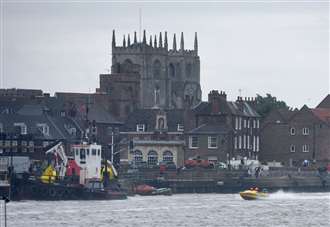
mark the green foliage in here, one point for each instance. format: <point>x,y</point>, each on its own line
<point>264,105</point>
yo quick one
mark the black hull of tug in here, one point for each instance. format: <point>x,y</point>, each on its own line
<point>36,190</point>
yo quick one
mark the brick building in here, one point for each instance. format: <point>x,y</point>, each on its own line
<point>157,136</point>
<point>291,137</point>
<point>224,130</point>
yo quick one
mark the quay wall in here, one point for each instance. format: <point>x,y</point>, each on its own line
<point>224,181</point>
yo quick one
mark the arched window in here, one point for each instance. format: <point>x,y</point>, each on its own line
<point>157,69</point>
<point>167,156</point>
<point>137,156</point>
<point>127,66</point>
<point>152,158</point>
<point>188,70</point>
<point>178,70</point>
<point>171,70</point>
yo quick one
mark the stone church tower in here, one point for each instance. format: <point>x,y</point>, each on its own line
<point>168,78</point>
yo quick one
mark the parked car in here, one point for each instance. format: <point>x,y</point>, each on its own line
<point>221,165</point>
<point>198,163</point>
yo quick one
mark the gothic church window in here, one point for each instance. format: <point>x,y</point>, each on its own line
<point>157,69</point>
<point>188,70</point>
<point>127,66</point>
<point>178,70</point>
<point>171,70</point>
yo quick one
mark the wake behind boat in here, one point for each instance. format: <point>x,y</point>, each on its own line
<point>253,194</point>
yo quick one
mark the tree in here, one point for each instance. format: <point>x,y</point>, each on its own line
<point>264,105</point>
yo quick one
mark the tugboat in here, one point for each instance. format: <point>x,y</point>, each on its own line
<point>80,178</point>
<point>253,194</point>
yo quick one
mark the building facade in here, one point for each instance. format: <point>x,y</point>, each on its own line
<point>153,136</point>
<point>297,138</point>
<point>224,130</point>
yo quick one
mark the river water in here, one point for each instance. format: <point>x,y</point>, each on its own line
<point>280,209</point>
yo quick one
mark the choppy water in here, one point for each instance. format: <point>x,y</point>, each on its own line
<point>281,209</point>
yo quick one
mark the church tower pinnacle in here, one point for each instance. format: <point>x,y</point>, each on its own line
<point>135,41</point>
<point>160,40</point>
<point>165,41</point>
<point>144,37</point>
<point>124,42</point>
<point>128,40</point>
<point>182,42</point>
<point>174,43</point>
<point>155,42</point>
<point>113,39</point>
<point>196,43</point>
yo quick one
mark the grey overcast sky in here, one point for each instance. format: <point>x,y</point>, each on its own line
<point>260,47</point>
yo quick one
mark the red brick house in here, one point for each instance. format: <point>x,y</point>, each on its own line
<point>224,130</point>
<point>291,137</point>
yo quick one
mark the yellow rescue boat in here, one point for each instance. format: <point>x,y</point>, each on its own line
<point>253,194</point>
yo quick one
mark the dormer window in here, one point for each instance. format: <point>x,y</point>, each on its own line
<point>22,128</point>
<point>44,128</point>
<point>70,129</point>
<point>73,131</point>
<point>180,128</point>
<point>140,127</point>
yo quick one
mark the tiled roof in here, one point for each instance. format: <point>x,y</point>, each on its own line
<point>286,113</point>
<point>8,121</point>
<point>210,129</point>
<point>229,108</point>
<point>100,115</point>
<point>322,113</point>
<point>325,103</point>
<point>35,110</point>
